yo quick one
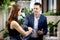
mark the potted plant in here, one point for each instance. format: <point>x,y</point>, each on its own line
<point>51,28</point>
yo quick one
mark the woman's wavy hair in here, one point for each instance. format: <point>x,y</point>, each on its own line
<point>13,15</point>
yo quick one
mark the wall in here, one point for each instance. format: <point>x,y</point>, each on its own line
<point>1,22</point>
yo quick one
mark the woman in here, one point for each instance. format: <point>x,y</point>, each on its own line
<point>13,27</point>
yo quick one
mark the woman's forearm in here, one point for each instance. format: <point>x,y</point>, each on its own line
<point>28,32</point>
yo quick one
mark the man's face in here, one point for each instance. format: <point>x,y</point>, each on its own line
<point>37,9</point>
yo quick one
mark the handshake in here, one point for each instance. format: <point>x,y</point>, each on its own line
<point>39,32</point>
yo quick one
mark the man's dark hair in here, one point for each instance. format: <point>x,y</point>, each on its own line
<point>38,4</point>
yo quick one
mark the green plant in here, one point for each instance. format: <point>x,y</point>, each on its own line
<point>51,27</point>
<point>5,34</point>
<point>2,2</point>
<point>57,13</point>
<point>20,22</point>
<point>26,13</point>
<point>50,13</point>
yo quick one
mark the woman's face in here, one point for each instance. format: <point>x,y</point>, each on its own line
<point>19,12</point>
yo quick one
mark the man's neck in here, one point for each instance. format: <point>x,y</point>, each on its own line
<point>37,16</point>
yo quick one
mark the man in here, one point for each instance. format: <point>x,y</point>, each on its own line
<point>37,21</point>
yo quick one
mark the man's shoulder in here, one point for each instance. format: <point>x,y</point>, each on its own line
<point>29,15</point>
<point>43,16</point>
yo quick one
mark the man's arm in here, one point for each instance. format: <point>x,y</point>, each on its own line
<point>44,30</point>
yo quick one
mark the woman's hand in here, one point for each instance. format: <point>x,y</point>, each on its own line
<point>30,29</point>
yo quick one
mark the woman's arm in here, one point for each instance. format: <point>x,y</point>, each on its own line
<point>15,25</point>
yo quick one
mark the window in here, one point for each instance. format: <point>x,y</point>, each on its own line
<point>52,5</point>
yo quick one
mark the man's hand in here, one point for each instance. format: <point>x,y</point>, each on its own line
<point>40,32</point>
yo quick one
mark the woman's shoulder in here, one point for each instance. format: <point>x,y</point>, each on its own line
<point>13,22</point>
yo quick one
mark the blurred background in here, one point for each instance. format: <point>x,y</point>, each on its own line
<point>50,9</point>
